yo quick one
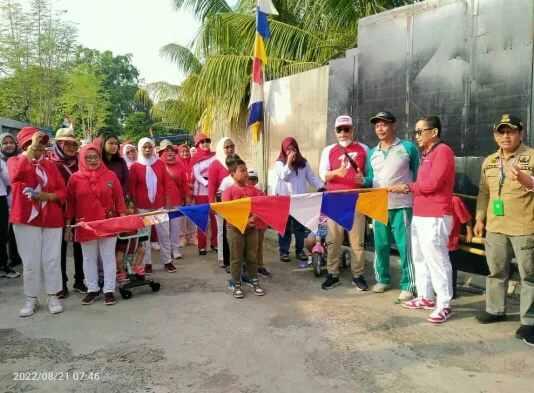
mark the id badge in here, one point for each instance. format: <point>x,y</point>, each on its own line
<point>498,207</point>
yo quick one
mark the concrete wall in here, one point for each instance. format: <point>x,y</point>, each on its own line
<point>296,106</point>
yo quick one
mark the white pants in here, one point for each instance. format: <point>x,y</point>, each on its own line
<point>220,240</point>
<point>164,241</point>
<point>175,230</point>
<point>433,270</point>
<point>105,248</point>
<point>40,248</point>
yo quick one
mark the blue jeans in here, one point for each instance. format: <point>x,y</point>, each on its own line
<point>285,241</point>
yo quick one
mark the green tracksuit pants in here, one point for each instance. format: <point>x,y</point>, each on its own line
<point>399,224</point>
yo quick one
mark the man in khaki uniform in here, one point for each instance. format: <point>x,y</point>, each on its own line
<point>508,209</point>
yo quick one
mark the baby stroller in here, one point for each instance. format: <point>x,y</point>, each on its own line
<point>135,280</point>
<point>319,251</point>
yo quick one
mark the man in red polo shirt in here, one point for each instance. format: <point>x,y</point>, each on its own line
<point>432,221</point>
<point>342,166</point>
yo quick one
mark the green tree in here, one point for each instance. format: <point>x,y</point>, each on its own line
<point>136,126</point>
<point>85,99</point>
<point>218,63</point>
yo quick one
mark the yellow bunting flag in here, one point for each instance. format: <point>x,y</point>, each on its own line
<point>374,204</point>
<point>235,212</point>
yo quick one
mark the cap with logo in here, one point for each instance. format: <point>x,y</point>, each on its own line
<point>510,121</point>
<point>252,173</point>
<point>343,121</point>
<point>384,115</point>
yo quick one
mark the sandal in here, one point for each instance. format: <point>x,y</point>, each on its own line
<point>301,256</point>
<point>285,258</point>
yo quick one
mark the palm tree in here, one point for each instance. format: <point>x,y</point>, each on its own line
<point>218,63</point>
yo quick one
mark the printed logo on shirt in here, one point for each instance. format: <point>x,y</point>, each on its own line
<point>401,153</point>
<point>344,161</point>
<point>494,160</point>
<point>524,160</point>
<point>109,184</point>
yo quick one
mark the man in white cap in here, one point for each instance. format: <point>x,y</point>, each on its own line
<point>339,167</point>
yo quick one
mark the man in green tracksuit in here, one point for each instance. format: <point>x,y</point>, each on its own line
<point>393,161</point>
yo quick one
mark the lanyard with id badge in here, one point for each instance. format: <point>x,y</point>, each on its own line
<point>498,204</point>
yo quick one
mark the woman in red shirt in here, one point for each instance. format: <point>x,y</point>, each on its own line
<point>189,229</point>
<point>200,162</point>
<point>37,216</point>
<point>149,185</point>
<point>179,191</point>
<point>216,173</point>
<point>94,193</point>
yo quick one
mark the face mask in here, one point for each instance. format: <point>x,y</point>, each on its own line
<point>345,143</point>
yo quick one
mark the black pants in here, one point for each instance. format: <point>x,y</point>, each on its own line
<point>78,262</point>
<point>4,225</point>
<point>226,248</point>
<point>12,248</point>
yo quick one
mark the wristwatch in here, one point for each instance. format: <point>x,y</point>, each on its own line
<point>406,188</point>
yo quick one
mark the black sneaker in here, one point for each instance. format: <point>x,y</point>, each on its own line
<point>524,331</point>
<point>360,283</point>
<point>228,270</point>
<point>529,341</point>
<point>202,251</point>
<point>237,291</point>
<point>264,272</point>
<point>6,271</point>
<point>330,282</point>
<point>258,291</point>
<point>214,249</point>
<point>79,287</point>
<point>485,317</point>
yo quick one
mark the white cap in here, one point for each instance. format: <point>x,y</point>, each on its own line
<point>343,121</point>
<point>252,173</point>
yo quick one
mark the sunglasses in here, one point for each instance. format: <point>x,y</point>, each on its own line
<point>420,131</point>
<point>205,141</point>
<point>343,129</point>
<point>502,132</point>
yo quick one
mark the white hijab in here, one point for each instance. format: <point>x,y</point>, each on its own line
<point>219,151</point>
<point>151,178</point>
<point>125,149</point>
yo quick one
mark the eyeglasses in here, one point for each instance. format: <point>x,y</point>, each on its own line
<point>502,132</point>
<point>70,145</point>
<point>339,130</point>
<point>204,141</point>
<point>420,131</point>
<point>92,158</point>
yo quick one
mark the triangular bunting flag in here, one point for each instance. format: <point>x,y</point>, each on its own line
<point>340,207</point>
<point>306,208</point>
<point>274,210</point>
<point>374,204</point>
<point>199,214</point>
<point>235,212</point>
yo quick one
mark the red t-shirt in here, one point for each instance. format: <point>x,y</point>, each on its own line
<point>338,158</point>
<point>234,192</point>
<point>460,215</point>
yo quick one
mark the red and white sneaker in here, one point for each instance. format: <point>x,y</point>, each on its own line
<point>419,303</point>
<point>440,315</point>
<point>170,267</point>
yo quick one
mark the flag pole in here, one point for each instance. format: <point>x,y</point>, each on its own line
<point>153,213</point>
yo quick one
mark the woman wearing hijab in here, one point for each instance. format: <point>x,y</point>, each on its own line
<point>200,163</point>
<point>95,193</point>
<point>109,146</point>
<point>293,172</point>
<point>179,191</point>
<point>8,149</point>
<point>129,154</point>
<point>188,229</point>
<point>150,188</point>
<point>216,173</point>
<point>37,217</point>
<point>65,157</point>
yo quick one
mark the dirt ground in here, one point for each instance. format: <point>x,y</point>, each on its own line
<point>193,336</point>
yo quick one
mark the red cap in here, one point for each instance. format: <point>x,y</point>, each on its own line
<point>200,137</point>
<point>25,135</point>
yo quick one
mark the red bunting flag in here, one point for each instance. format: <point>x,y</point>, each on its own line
<point>274,210</point>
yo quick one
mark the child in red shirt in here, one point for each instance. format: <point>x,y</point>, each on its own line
<point>460,215</point>
<point>242,245</point>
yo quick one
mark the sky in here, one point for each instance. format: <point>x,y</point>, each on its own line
<point>139,27</point>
